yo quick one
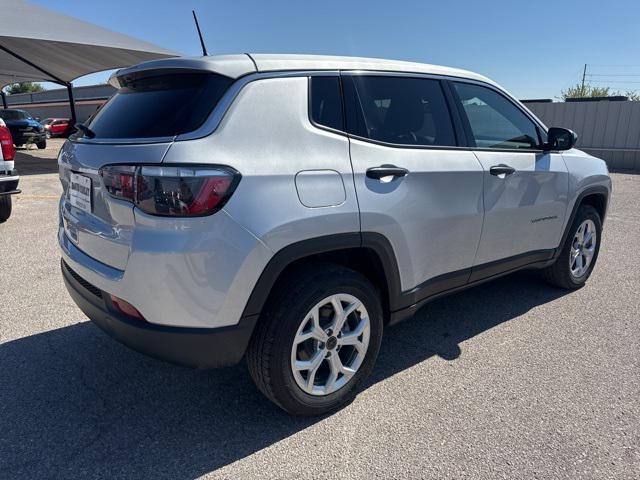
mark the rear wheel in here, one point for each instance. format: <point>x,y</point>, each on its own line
<point>318,340</point>
<point>42,145</point>
<point>579,252</point>
<point>5,208</point>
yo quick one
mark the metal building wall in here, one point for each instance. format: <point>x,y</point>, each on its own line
<point>55,103</point>
<point>61,110</point>
<point>61,95</point>
<point>608,130</point>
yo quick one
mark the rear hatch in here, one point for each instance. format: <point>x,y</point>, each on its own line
<point>135,127</point>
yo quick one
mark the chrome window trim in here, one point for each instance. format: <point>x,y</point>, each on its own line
<point>121,141</point>
<point>212,123</point>
<point>451,78</point>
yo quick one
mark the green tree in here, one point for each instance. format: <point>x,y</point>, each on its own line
<point>25,87</point>
<point>577,91</point>
<point>587,91</point>
<point>602,92</point>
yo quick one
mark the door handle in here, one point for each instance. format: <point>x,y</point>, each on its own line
<point>386,171</point>
<point>502,169</point>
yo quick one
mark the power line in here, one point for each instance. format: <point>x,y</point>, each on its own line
<point>615,81</point>
<point>614,66</point>
<point>613,74</point>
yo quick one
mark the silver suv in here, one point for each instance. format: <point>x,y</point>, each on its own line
<point>286,208</point>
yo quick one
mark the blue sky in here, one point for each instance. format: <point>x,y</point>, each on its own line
<point>534,49</point>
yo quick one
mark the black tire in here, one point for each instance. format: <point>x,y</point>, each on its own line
<point>5,208</point>
<point>559,274</point>
<point>269,351</point>
<point>42,144</point>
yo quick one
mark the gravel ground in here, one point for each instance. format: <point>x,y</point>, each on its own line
<point>512,379</point>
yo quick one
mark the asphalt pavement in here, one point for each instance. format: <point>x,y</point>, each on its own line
<point>511,379</point>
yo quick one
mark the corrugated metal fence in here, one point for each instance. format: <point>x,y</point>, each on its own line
<point>608,130</point>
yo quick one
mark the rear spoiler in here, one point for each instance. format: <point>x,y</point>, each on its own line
<point>232,66</point>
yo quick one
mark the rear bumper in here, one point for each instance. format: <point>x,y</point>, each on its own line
<point>192,273</point>
<point>189,347</point>
<point>9,183</point>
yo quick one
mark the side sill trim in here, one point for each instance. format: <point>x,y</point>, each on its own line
<point>486,273</point>
<point>398,300</point>
<point>492,269</point>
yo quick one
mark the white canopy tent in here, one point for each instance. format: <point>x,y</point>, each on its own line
<point>37,44</point>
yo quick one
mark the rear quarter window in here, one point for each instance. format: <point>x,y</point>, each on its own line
<point>160,105</point>
<point>326,102</point>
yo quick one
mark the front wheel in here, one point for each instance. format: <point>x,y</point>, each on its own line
<point>318,340</point>
<point>42,145</point>
<point>5,208</point>
<point>579,253</point>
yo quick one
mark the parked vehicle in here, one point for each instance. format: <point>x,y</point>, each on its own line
<point>8,174</point>
<point>287,208</point>
<point>24,128</point>
<point>56,127</point>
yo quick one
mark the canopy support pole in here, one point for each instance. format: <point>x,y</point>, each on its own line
<point>72,106</point>
<point>53,78</point>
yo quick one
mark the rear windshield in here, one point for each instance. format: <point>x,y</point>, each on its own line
<point>13,115</point>
<point>160,106</point>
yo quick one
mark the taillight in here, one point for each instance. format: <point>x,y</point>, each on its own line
<point>177,191</point>
<point>6,143</point>
<point>119,181</point>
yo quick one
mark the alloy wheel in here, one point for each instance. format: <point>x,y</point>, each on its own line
<point>583,248</point>
<point>330,344</point>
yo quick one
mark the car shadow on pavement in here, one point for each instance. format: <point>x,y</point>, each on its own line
<point>74,403</point>
<point>32,161</point>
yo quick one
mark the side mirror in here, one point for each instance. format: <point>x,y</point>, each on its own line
<point>560,139</point>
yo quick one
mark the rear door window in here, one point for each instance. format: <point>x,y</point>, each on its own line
<point>398,110</point>
<point>160,105</point>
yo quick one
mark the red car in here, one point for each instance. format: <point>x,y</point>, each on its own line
<point>56,127</point>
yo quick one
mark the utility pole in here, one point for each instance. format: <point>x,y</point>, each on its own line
<point>584,74</point>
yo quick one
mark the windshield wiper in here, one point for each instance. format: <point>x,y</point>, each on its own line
<point>85,130</point>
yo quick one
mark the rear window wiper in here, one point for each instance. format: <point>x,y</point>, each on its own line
<point>85,130</point>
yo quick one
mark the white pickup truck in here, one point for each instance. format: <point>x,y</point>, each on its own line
<point>8,174</point>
